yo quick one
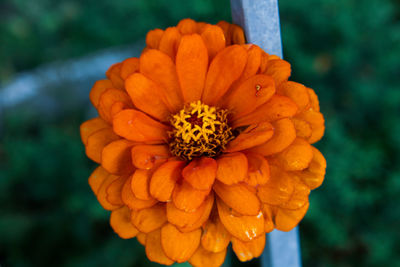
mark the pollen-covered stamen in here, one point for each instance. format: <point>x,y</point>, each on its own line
<point>199,130</point>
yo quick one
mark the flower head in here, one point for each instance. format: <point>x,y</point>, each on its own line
<point>203,141</point>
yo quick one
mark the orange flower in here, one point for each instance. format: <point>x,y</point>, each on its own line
<point>203,141</point>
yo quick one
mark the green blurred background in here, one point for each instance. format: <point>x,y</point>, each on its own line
<point>347,50</point>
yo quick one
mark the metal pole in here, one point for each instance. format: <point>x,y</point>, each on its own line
<point>260,21</point>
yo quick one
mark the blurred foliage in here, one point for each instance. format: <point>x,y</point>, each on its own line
<point>347,50</point>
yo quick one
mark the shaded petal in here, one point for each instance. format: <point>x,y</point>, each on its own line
<point>278,107</point>
<point>114,75</point>
<point>98,89</point>
<point>131,201</point>
<point>141,238</point>
<point>254,135</point>
<point>109,100</point>
<point>150,219</point>
<point>303,128</point>
<point>120,221</point>
<point>129,66</point>
<point>237,34</point>
<point>186,220</point>
<point>137,126</point>
<point>140,184</point>
<point>179,246</point>
<point>245,228</point>
<point>258,173</point>
<point>257,90</point>
<point>154,250</point>
<point>225,28</point>
<point>209,203</point>
<point>204,258</point>
<point>286,220</point>
<point>153,38</point>
<point>232,168</point>
<point>297,156</point>
<point>161,69</point>
<point>164,179</point>
<point>169,42</point>
<point>313,176</point>
<point>317,122</point>
<point>278,189</point>
<point>102,193</point>
<point>97,141</point>
<point>191,67</point>
<point>147,96</point>
<point>187,26</point>
<point>91,126</point>
<point>246,251</point>
<point>299,195</point>
<point>114,191</point>
<point>314,102</point>
<point>225,68</point>
<point>284,135</point>
<point>253,61</point>
<point>214,39</point>
<point>239,197</point>
<point>116,157</point>
<point>279,69</point>
<point>97,178</point>
<point>268,215</point>
<point>297,92</point>
<point>187,198</point>
<point>215,237</point>
<point>200,173</point>
<point>147,156</point>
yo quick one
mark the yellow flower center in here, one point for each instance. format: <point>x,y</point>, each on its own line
<point>199,130</point>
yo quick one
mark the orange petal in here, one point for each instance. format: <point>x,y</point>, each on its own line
<point>97,141</point>
<point>286,220</point>
<point>187,26</point>
<point>254,135</point>
<point>114,191</point>
<point>154,250</point>
<point>314,102</point>
<point>284,135</point>
<point>204,258</point>
<point>153,38</point>
<point>214,39</point>
<point>141,238</point>
<point>114,75</point>
<point>246,251</point>
<point>279,69</point>
<point>116,157</point>
<point>297,92</point>
<point>303,128</point>
<point>215,237</point>
<point>253,62</point>
<point>164,179</point>
<point>137,126</point>
<point>297,156</point>
<point>316,120</point>
<point>131,201</point>
<point>278,189</point>
<point>91,126</point>
<point>200,173</point>
<point>169,42</point>
<point>225,28</point>
<point>186,220</point>
<point>232,168</point>
<point>129,66</point>
<point>150,219</point>
<point>256,90</point>
<point>107,101</point>
<point>278,107</point>
<point>140,184</point>
<point>102,194</point>
<point>98,89</point>
<point>147,96</point>
<point>160,68</point>
<point>179,246</point>
<point>299,196</point>
<point>268,222</point>
<point>238,197</point>
<point>237,34</point>
<point>120,221</point>
<point>225,68</point>
<point>313,176</point>
<point>245,228</point>
<point>147,156</point>
<point>258,173</point>
<point>191,67</point>
<point>187,198</point>
<point>97,178</point>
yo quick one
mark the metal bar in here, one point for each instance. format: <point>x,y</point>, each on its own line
<point>260,21</point>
